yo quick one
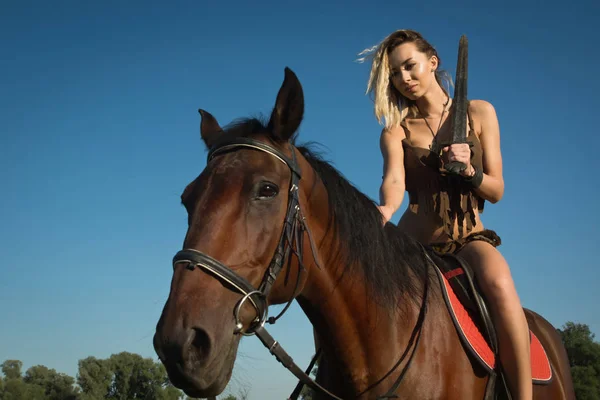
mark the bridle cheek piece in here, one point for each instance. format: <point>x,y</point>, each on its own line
<point>293,226</point>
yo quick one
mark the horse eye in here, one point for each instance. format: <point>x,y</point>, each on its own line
<point>267,190</point>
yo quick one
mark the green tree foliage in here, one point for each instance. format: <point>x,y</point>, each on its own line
<point>242,395</point>
<point>12,369</point>
<point>134,375</point>
<point>94,378</point>
<point>123,376</point>
<point>170,392</point>
<point>39,383</point>
<point>56,386</point>
<point>17,389</point>
<point>584,359</point>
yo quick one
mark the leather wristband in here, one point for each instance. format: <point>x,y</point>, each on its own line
<point>476,179</point>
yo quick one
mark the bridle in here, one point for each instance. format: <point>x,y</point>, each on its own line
<point>256,296</point>
<point>292,233</point>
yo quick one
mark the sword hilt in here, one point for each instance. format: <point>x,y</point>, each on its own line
<point>455,167</point>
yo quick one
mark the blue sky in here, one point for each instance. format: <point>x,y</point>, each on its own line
<point>99,136</point>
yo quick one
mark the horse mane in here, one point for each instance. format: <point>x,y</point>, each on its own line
<point>392,263</point>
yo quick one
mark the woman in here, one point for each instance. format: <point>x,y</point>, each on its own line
<point>444,209</point>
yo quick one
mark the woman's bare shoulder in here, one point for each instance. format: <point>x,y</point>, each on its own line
<point>482,109</point>
<point>393,133</point>
<point>391,139</point>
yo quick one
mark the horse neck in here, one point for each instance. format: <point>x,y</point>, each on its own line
<point>350,324</point>
<point>360,339</point>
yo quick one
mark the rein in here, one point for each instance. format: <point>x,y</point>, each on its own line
<point>291,241</point>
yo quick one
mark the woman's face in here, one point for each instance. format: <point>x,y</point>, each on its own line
<point>411,71</point>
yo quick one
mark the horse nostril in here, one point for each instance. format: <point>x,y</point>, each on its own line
<point>200,343</point>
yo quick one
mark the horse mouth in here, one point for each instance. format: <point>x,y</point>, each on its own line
<point>199,383</point>
<point>200,379</point>
<point>197,387</point>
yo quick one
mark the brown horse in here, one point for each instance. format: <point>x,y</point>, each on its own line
<point>263,206</point>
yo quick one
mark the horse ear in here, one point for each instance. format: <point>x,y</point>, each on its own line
<point>209,128</point>
<point>289,107</point>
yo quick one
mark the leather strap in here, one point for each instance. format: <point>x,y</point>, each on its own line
<point>287,361</point>
<point>232,143</point>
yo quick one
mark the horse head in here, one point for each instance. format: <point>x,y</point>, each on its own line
<point>244,220</point>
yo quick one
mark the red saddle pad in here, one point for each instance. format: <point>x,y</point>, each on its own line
<point>474,341</point>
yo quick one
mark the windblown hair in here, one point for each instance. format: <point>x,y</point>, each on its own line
<point>391,106</point>
<point>392,263</point>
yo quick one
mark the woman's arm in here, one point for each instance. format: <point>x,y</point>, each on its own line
<point>391,192</point>
<point>492,186</point>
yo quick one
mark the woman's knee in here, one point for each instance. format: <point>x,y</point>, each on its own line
<point>491,271</point>
<point>501,291</point>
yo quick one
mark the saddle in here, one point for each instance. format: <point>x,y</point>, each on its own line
<point>469,311</point>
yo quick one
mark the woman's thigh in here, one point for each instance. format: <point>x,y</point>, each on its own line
<point>491,269</point>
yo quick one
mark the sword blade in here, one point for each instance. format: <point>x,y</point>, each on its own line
<point>459,117</point>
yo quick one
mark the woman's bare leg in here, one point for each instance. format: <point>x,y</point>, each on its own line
<point>494,278</point>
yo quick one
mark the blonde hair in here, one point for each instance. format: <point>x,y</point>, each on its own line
<point>390,105</point>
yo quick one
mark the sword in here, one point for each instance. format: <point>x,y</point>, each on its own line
<point>459,117</point>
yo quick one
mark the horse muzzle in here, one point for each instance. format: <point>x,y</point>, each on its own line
<point>193,360</point>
